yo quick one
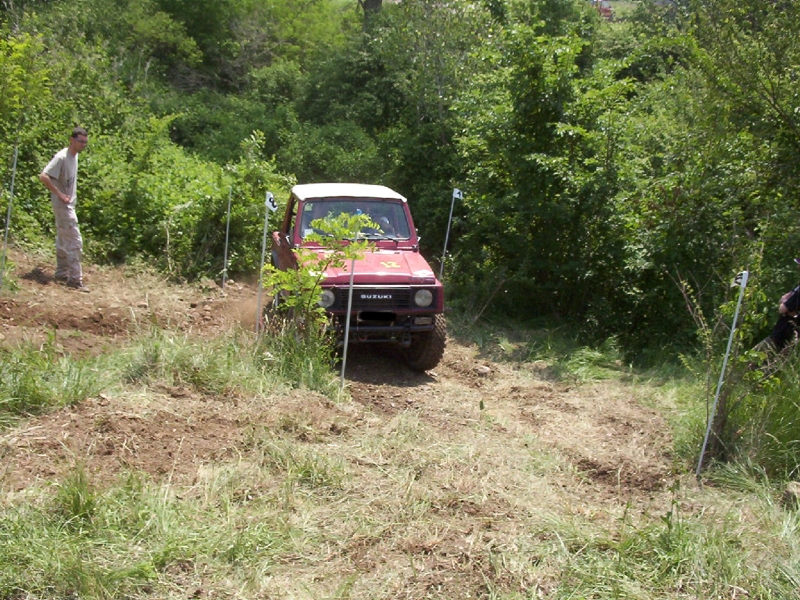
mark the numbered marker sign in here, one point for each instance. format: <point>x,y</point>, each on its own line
<point>457,194</point>
<point>271,204</point>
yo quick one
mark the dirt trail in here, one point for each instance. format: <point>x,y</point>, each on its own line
<point>613,446</point>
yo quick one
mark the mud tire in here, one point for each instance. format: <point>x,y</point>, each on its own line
<point>427,348</point>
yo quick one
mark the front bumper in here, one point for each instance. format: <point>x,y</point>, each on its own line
<point>382,327</point>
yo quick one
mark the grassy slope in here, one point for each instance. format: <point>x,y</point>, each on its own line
<point>517,470</point>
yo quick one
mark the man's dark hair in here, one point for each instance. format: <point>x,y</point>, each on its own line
<point>79,131</point>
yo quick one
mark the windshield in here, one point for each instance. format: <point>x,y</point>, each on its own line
<point>389,215</point>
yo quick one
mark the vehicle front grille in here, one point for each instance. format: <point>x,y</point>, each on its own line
<point>375,298</point>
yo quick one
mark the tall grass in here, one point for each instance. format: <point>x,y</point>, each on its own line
<point>35,379</point>
<point>753,403</point>
<point>755,409</point>
<point>686,553</point>
<point>222,365</point>
<point>208,366</point>
<point>304,357</point>
<point>83,542</point>
<point>300,464</point>
<point>764,422</point>
<point>61,547</point>
<point>287,509</point>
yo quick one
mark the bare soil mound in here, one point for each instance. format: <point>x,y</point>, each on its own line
<point>121,302</point>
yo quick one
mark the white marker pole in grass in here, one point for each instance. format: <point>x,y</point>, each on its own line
<point>457,195</point>
<point>271,206</point>
<point>347,322</point>
<point>227,236</point>
<point>741,281</point>
<point>8,214</point>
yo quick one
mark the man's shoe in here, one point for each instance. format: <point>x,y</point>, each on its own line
<point>78,286</point>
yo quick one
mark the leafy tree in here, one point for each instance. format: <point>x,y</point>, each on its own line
<point>261,78</point>
<point>753,49</point>
<point>425,49</point>
<point>152,37</point>
<point>171,206</point>
<point>207,22</point>
<point>600,162</point>
<point>85,93</point>
<point>238,36</point>
<point>530,216</point>
<point>213,124</point>
<point>23,79</point>
<point>338,152</point>
<point>370,6</point>
<point>24,91</point>
<point>250,178</point>
<point>706,170</point>
<point>297,291</point>
<point>750,55</point>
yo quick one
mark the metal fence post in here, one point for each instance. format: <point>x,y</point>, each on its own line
<point>741,278</point>
<point>8,216</point>
<point>456,195</point>
<point>227,236</point>
<point>269,206</point>
<point>347,322</point>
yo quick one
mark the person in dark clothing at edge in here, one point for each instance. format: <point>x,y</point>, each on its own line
<point>789,312</point>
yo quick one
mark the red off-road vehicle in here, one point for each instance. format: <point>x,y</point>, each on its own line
<point>396,296</point>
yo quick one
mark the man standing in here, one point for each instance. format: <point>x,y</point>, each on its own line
<point>60,176</point>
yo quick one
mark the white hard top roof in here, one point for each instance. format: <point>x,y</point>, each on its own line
<point>307,191</point>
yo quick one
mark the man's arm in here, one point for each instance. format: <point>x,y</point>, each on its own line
<point>50,185</point>
<point>790,303</point>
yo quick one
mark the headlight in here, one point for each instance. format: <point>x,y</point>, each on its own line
<point>327,299</point>
<point>423,298</point>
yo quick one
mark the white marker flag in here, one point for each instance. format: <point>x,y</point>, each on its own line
<point>271,204</point>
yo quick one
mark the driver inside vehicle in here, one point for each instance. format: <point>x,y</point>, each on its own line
<point>383,217</point>
<point>386,227</point>
<point>382,221</point>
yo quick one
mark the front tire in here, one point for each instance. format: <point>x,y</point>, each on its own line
<point>427,349</point>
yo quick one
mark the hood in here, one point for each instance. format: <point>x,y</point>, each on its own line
<point>385,267</point>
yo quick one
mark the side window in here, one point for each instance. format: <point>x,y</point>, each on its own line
<point>305,221</point>
<point>292,221</point>
<point>311,212</point>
